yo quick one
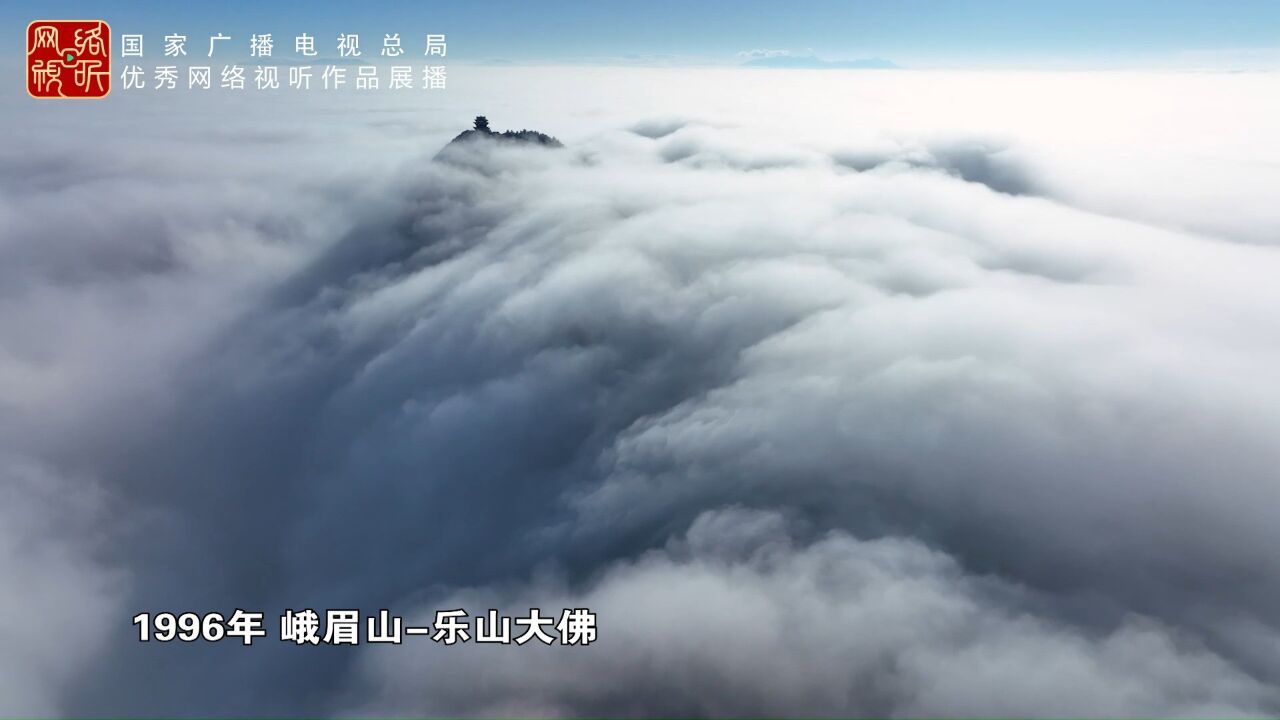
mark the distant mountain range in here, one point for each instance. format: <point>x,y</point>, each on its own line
<point>810,62</point>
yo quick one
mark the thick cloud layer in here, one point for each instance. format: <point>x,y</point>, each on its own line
<point>819,422</point>
<point>58,601</point>
<point>735,620</point>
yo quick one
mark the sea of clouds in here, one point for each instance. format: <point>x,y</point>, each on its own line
<point>831,393</point>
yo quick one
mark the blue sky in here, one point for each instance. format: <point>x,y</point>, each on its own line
<point>911,32</point>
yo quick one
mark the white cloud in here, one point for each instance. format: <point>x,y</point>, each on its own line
<point>736,619</point>
<point>59,602</point>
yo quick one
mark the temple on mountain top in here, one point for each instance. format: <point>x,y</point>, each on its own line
<point>481,131</point>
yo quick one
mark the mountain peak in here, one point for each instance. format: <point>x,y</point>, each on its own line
<point>480,130</point>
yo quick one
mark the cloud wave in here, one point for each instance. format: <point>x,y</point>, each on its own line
<point>899,423</point>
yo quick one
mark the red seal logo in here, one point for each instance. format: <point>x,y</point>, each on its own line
<point>68,59</point>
